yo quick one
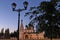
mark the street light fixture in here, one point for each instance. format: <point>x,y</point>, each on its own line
<point>19,10</point>
<point>14,6</point>
<point>25,4</point>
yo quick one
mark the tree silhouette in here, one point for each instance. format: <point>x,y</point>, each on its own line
<point>7,34</point>
<point>47,18</point>
<point>2,33</point>
<point>14,34</point>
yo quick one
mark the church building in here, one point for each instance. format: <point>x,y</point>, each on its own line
<point>29,33</point>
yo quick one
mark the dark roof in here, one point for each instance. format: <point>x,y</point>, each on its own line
<point>29,26</point>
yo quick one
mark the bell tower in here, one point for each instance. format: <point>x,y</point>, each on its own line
<point>21,31</point>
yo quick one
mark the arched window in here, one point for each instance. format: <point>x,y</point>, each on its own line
<point>26,36</point>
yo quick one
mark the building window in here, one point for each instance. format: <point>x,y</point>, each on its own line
<point>26,36</point>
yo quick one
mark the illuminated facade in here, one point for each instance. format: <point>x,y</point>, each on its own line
<point>29,33</point>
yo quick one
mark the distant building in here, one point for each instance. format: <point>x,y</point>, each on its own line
<point>29,33</point>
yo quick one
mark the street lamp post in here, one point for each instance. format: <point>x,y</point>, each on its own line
<point>19,10</point>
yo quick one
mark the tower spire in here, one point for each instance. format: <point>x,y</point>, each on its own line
<point>21,30</point>
<point>21,25</point>
<point>21,21</point>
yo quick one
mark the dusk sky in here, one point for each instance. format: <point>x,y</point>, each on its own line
<point>8,18</point>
